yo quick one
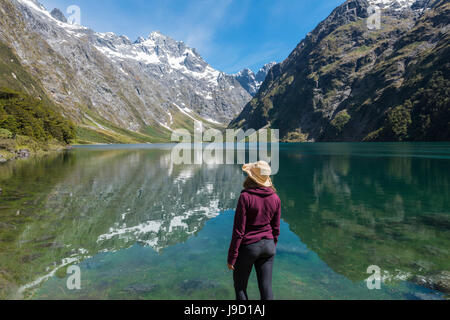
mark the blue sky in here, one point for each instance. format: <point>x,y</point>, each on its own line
<point>229,34</point>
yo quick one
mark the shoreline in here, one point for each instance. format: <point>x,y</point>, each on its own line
<point>27,152</point>
<point>36,150</point>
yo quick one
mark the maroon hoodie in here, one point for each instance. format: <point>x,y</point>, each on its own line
<point>258,215</point>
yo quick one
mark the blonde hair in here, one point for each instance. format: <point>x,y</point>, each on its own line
<point>249,183</point>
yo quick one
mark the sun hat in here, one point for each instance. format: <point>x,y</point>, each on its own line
<point>259,172</point>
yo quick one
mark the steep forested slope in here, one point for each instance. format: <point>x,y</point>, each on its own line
<point>346,82</point>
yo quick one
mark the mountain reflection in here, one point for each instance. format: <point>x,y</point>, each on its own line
<point>354,205</point>
<point>110,200</point>
<point>141,197</point>
<point>355,211</point>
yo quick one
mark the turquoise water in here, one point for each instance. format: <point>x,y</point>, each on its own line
<point>140,227</point>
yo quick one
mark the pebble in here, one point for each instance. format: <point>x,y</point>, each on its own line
<point>23,153</point>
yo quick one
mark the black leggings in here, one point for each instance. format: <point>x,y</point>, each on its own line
<point>261,254</point>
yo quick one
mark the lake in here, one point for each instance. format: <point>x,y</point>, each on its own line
<point>140,227</point>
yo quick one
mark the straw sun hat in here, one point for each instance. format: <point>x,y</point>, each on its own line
<point>259,172</point>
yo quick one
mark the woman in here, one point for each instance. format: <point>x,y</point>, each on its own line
<point>256,230</point>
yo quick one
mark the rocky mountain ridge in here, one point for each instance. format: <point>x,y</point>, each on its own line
<point>251,81</point>
<point>107,83</point>
<point>348,82</point>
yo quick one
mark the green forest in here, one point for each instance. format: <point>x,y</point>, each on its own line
<point>25,119</point>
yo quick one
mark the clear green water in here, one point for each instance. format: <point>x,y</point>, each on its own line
<point>142,228</point>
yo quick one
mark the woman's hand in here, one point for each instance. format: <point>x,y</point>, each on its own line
<point>230,267</point>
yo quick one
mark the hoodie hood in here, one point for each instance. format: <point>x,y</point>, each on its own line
<point>260,191</point>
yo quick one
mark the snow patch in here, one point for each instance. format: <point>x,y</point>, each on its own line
<point>95,122</point>
<point>134,55</point>
<point>397,4</point>
<point>41,10</point>
<point>185,111</point>
<point>212,121</point>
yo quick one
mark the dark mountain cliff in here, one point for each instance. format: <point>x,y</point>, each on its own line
<point>347,82</point>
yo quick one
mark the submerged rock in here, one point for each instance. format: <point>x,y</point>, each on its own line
<point>439,282</point>
<point>439,220</point>
<point>43,239</point>
<point>140,288</point>
<point>196,284</point>
<point>23,153</point>
<point>54,245</point>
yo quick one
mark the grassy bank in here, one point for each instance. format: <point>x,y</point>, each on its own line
<point>11,147</point>
<point>30,125</point>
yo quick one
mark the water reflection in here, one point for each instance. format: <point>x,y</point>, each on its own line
<point>127,214</point>
<point>355,211</point>
<point>107,201</point>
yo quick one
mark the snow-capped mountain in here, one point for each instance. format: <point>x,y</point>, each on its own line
<point>251,81</point>
<point>135,85</point>
<point>347,82</point>
<point>392,4</point>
